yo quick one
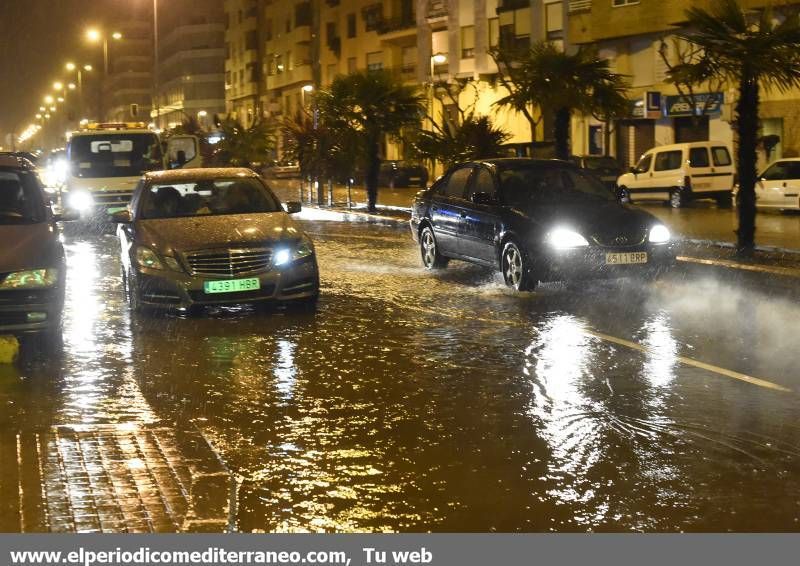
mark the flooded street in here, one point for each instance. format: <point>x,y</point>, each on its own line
<point>411,401</point>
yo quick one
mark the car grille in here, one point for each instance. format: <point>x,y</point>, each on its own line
<point>230,262</point>
<point>618,240</point>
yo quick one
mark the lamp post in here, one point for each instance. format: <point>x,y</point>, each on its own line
<point>155,65</point>
<point>94,35</point>
<point>73,68</point>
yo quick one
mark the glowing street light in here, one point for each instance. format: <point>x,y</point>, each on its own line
<point>49,99</point>
<point>58,85</point>
<point>70,66</point>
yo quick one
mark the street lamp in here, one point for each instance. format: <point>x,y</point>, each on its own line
<point>94,35</point>
<point>49,99</point>
<point>72,67</point>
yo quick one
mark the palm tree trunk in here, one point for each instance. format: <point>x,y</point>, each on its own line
<point>747,129</point>
<point>561,134</point>
<point>533,137</point>
<point>373,169</point>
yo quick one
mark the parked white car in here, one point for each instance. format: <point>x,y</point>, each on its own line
<point>681,172</point>
<point>778,185</point>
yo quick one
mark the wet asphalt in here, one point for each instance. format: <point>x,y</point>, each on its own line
<point>412,401</point>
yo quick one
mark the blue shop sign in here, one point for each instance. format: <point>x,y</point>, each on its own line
<point>682,105</point>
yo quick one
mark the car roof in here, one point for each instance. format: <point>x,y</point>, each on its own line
<point>508,162</point>
<point>15,161</point>
<point>198,174</point>
<point>784,159</point>
<point>674,146</point>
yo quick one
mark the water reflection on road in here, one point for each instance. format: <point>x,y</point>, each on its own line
<point>412,401</point>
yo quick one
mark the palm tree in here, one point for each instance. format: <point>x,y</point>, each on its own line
<point>473,138</point>
<point>751,52</point>
<point>242,146</point>
<point>370,105</point>
<point>560,83</point>
<point>322,153</point>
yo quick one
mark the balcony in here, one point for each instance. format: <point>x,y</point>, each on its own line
<point>437,11</point>
<point>389,25</point>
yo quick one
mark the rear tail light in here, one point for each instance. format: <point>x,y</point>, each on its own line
<point>687,183</point>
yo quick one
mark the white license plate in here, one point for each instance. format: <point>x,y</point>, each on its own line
<point>625,258</point>
<point>232,286</point>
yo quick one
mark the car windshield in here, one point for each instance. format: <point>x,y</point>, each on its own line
<point>20,199</point>
<point>111,154</point>
<point>207,198</point>
<point>521,186</point>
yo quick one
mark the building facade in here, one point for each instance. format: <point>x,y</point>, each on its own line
<point>128,89</point>
<point>279,51</point>
<point>191,63</point>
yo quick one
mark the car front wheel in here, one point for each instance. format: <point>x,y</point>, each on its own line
<point>516,268</point>
<point>429,250</point>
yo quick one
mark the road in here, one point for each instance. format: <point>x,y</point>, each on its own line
<point>412,401</point>
<point>700,220</point>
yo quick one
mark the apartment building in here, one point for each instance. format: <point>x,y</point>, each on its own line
<point>191,62</point>
<point>128,89</point>
<point>637,36</point>
<point>244,43</point>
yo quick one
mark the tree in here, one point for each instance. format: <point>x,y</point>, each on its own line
<point>751,51</point>
<point>472,138</point>
<point>242,146</point>
<point>321,152</point>
<point>370,105</point>
<point>558,83</point>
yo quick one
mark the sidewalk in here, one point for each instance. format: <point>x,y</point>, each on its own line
<point>113,478</point>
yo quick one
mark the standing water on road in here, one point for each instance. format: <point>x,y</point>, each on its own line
<point>411,401</point>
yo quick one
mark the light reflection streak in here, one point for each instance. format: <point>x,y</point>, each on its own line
<point>285,371</point>
<point>662,351</point>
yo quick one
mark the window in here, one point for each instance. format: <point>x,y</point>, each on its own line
<point>483,183</point>
<point>698,157</point>
<point>351,25</point>
<point>352,65</point>
<point>373,16</point>
<point>494,32</point>
<point>468,42</point>
<point>782,171</point>
<point>457,183</point>
<point>19,199</point>
<point>208,198</point>
<point>668,160</point>
<point>618,3</point>
<point>375,60</point>
<point>251,40</point>
<point>554,19</point>
<point>302,14</point>
<point>268,29</point>
<point>721,156</point>
<point>644,163</point>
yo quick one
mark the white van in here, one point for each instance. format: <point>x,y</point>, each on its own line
<point>681,172</point>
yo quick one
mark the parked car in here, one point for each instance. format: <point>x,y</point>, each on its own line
<point>395,173</point>
<point>536,220</point>
<point>284,170</point>
<point>32,264</point>
<point>680,173</point>
<point>604,167</point>
<point>197,237</point>
<point>778,186</point>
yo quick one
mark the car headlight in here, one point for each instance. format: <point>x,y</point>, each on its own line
<point>146,257</point>
<point>30,279</point>
<point>659,234</point>
<point>80,201</point>
<point>286,255</point>
<point>562,239</point>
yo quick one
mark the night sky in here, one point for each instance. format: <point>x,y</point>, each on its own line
<point>37,37</point>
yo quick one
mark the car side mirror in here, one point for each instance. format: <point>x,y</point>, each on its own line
<point>68,215</point>
<point>293,207</point>
<point>634,170</point>
<point>484,198</point>
<point>121,217</point>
